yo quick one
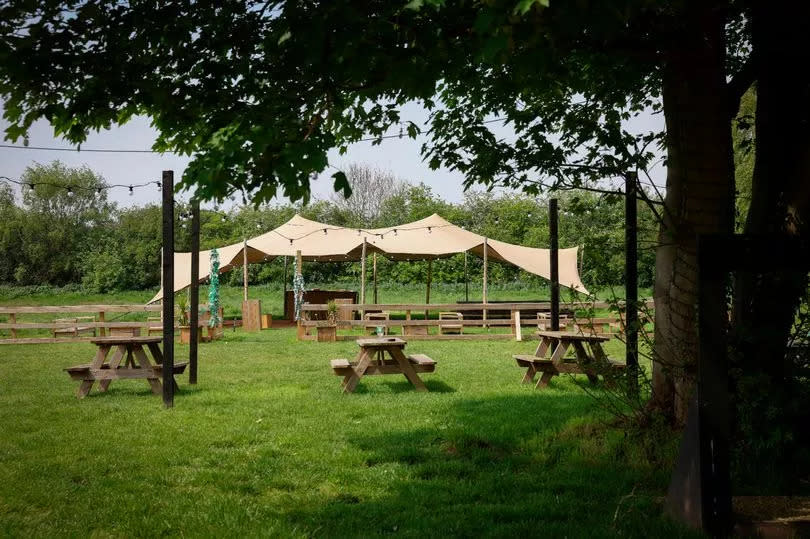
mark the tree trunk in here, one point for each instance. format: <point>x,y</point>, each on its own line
<point>764,305</point>
<point>699,199</point>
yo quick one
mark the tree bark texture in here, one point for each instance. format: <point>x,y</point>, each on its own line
<point>699,199</point>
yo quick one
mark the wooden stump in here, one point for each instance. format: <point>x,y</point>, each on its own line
<point>251,315</point>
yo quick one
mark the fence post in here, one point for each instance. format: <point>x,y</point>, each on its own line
<point>194,292</point>
<point>13,319</point>
<point>102,331</point>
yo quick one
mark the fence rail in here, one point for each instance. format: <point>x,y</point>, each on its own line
<point>515,319</point>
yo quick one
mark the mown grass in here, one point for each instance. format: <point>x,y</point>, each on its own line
<point>267,445</point>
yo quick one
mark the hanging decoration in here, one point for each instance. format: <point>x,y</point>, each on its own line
<point>213,291</point>
<point>298,290</point>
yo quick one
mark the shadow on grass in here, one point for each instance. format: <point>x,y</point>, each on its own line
<point>499,466</point>
<point>433,386</point>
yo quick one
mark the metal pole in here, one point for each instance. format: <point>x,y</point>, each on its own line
<point>194,291</point>
<point>555,269</point>
<point>168,291</point>
<point>484,293</point>
<point>631,282</point>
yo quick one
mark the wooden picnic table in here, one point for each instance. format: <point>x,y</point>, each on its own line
<point>383,355</point>
<point>590,357</point>
<point>136,364</point>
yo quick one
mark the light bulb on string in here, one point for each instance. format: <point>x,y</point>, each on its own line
<point>98,191</point>
<point>70,191</point>
<point>324,232</point>
<point>430,230</point>
<point>291,241</point>
<point>395,232</point>
<point>131,191</point>
<point>159,186</point>
<point>31,187</point>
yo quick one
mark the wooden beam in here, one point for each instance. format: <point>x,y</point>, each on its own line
<point>194,292</point>
<point>363,273</point>
<point>555,268</point>
<point>374,272</point>
<point>466,280</point>
<point>168,292</point>
<point>427,289</point>
<point>90,308</point>
<point>244,270</point>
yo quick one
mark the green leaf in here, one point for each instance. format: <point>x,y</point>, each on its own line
<point>284,37</point>
<point>342,184</point>
<point>523,6</point>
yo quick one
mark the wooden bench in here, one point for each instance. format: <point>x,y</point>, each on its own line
<point>377,316</point>
<point>445,328</point>
<point>80,372</point>
<point>76,329</point>
<point>420,363</point>
<point>157,328</point>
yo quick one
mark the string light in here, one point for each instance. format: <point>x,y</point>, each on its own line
<point>98,191</point>
<point>430,230</point>
<point>70,191</point>
<point>324,232</point>
<point>159,186</point>
<point>395,232</point>
<point>131,190</point>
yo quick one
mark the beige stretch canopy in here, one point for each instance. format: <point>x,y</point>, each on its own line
<point>428,238</point>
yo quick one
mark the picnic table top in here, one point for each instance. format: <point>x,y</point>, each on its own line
<point>381,342</point>
<point>566,335</point>
<point>125,339</point>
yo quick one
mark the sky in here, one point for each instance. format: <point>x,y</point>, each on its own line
<point>401,156</point>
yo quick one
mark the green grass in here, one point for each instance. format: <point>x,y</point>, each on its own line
<point>267,445</point>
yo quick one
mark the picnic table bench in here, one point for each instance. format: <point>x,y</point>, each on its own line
<point>590,361</point>
<point>382,356</point>
<point>136,364</point>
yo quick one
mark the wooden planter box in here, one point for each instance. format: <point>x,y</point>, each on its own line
<point>185,334</point>
<point>327,333</point>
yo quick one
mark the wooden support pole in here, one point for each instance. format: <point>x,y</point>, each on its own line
<point>374,272</point>
<point>466,280</point>
<point>244,269</point>
<point>555,261</point>
<point>284,294</point>
<point>631,282</point>
<point>427,289</point>
<point>484,293</point>
<point>12,318</point>
<point>194,292</point>
<point>363,275</point>
<point>167,185</point>
<point>101,318</point>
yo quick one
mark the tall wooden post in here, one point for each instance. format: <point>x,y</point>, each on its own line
<point>194,291</point>
<point>631,282</point>
<point>374,272</point>
<point>427,289</point>
<point>168,287</point>
<point>484,293</point>
<point>244,269</point>
<point>284,296</point>
<point>363,275</point>
<point>466,280</point>
<point>555,261</point>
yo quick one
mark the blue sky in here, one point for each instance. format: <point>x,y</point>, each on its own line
<point>401,156</point>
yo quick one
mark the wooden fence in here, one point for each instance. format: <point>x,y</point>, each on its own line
<point>99,326</point>
<point>516,315</point>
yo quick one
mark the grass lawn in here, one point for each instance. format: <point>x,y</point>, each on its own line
<point>267,445</point>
